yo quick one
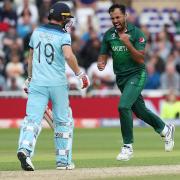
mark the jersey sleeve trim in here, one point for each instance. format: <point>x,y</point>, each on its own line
<point>65,45</point>
<point>31,47</point>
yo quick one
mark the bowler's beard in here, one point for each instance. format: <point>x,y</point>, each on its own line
<point>121,28</point>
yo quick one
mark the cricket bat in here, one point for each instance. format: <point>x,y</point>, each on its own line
<point>48,117</point>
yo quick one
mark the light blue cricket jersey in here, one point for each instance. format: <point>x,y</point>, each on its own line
<point>48,59</point>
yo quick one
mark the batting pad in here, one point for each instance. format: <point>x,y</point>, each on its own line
<point>63,140</point>
<point>29,131</point>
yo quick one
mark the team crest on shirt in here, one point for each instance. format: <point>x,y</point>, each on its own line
<point>141,39</point>
<point>113,36</point>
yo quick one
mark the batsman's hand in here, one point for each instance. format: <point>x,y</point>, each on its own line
<point>26,85</point>
<point>84,80</point>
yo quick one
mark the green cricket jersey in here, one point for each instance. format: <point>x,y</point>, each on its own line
<point>123,63</point>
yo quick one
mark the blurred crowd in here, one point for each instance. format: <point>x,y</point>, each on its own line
<point>18,18</point>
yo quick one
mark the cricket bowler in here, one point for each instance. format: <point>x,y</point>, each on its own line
<point>126,43</point>
<point>50,47</point>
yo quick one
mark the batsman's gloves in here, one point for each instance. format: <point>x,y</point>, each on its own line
<point>83,79</point>
<point>26,85</point>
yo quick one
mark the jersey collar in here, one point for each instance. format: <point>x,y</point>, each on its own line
<point>54,26</point>
<point>129,28</point>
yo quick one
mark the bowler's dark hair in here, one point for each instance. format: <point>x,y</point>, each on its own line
<point>119,6</point>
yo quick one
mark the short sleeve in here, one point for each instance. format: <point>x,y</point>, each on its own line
<point>140,41</point>
<point>104,46</point>
<point>66,40</point>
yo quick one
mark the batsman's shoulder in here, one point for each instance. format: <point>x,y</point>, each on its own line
<point>37,27</point>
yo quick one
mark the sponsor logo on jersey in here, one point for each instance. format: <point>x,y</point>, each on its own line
<point>119,48</point>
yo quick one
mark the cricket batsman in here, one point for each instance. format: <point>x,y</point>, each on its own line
<point>126,43</point>
<point>50,47</point>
